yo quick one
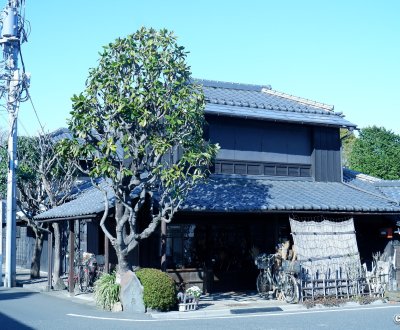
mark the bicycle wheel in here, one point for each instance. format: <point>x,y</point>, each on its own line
<point>290,289</point>
<point>264,285</point>
<point>82,280</point>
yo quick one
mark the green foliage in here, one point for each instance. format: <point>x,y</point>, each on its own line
<point>140,99</point>
<point>106,291</point>
<point>376,152</point>
<point>348,139</point>
<point>139,111</point>
<point>27,150</point>
<point>159,289</point>
<point>28,160</point>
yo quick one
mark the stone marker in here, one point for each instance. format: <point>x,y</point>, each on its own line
<point>131,293</point>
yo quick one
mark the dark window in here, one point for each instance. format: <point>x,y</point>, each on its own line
<point>180,240</point>
<point>253,169</point>
<point>270,169</point>
<point>294,171</point>
<point>305,172</point>
<point>281,170</point>
<point>226,168</point>
<point>217,168</point>
<point>240,169</point>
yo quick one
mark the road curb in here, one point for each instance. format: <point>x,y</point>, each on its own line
<point>226,312</point>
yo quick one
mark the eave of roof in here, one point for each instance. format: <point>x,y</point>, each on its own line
<point>251,194</point>
<point>228,194</point>
<point>86,204</point>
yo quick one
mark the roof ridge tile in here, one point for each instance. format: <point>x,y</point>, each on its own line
<point>298,99</point>
<point>231,85</point>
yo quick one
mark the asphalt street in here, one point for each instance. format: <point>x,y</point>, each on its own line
<point>23,309</point>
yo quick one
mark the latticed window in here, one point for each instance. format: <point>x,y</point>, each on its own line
<point>180,240</point>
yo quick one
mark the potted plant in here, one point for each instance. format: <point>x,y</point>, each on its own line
<point>190,299</point>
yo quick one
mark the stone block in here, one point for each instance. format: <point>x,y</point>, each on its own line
<point>131,293</point>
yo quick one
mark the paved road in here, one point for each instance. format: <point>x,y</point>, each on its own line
<point>22,309</point>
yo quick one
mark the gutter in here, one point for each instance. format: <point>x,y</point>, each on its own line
<point>77,217</point>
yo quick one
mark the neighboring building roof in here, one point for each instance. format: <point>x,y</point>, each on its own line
<point>261,102</point>
<point>89,202</point>
<point>360,180</point>
<point>389,188</point>
<point>61,134</point>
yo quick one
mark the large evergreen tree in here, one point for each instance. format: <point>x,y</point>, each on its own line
<point>376,152</point>
<point>139,124</point>
<point>348,138</point>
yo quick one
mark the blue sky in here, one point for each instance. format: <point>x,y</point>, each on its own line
<point>343,53</point>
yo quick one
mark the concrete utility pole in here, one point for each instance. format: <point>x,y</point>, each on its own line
<point>10,39</point>
<point>2,218</point>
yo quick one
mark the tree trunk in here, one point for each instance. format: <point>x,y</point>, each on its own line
<point>57,280</point>
<point>37,253</point>
<point>131,293</point>
<point>123,265</point>
<point>119,245</point>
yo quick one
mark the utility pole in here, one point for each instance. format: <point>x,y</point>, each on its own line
<point>10,39</point>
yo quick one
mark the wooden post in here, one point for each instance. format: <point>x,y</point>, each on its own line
<point>71,280</point>
<point>106,255</point>
<point>163,246</point>
<point>49,260</point>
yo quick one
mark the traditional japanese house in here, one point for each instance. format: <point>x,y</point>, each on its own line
<point>280,159</point>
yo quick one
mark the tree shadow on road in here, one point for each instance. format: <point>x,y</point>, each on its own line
<point>9,323</point>
<point>9,295</point>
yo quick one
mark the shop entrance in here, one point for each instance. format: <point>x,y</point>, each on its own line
<point>224,250</point>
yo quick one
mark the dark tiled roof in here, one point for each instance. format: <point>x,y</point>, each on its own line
<point>89,202</point>
<point>392,191</point>
<point>261,102</point>
<point>250,194</point>
<point>61,134</point>
<point>228,194</point>
<point>360,180</point>
<point>388,188</point>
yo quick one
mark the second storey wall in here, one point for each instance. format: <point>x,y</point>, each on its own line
<point>251,141</point>
<point>326,158</point>
<point>248,140</point>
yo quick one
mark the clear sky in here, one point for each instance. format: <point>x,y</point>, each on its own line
<point>343,53</point>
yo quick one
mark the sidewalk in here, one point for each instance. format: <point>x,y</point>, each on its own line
<point>41,285</point>
<point>212,305</point>
<point>226,303</point>
<point>231,303</point>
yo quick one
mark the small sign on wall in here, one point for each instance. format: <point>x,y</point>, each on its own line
<point>386,232</point>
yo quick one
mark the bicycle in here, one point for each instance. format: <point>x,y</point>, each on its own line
<point>277,277</point>
<point>85,271</point>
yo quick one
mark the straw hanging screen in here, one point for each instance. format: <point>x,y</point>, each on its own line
<point>326,249</point>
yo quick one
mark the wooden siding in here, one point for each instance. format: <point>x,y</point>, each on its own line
<point>245,142</point>
<point>253,141</point>
<point>326,160</point>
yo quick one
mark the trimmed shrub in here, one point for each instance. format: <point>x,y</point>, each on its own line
<point>106,291</point>
<point>158,289</point>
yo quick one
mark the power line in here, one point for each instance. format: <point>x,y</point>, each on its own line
<point>34,109</point>
<point>23,127</point>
